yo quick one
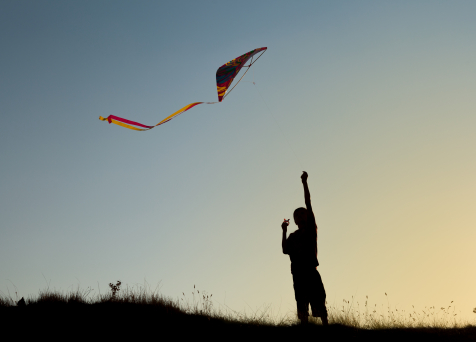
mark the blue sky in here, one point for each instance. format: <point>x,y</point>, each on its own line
<point>374,99</point>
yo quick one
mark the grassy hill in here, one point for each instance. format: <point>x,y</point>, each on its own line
<point>127,314</point>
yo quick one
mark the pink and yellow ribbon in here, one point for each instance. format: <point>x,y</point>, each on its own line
<point>130,124</point>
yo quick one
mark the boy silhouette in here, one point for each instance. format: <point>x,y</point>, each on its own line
<point>301,246</point>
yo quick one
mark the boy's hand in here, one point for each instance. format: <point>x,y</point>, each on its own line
<point>285,224</point>
<point>304,176</point>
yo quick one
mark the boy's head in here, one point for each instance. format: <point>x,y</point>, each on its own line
<point>300,216</point>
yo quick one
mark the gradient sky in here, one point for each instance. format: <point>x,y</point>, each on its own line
<point>375,100</point>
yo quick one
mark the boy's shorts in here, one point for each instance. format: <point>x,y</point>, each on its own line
<point>308,289</point>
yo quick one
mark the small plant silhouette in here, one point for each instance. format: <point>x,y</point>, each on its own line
<point>115,288</point>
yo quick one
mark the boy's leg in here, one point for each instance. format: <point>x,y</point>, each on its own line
<point>302,297</point>
<point>303,314</point>
<point>324,319</point>
<point>320,310</point>
<point>318,298</point>
<point>302,310</point>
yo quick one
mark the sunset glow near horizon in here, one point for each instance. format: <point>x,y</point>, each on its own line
<point>375,100</point>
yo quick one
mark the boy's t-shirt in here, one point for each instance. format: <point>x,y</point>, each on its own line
<point>301,245</point>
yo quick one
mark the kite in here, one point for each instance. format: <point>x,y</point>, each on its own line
<point>225,76</point>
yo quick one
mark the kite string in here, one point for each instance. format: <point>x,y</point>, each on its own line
<point>235,84</point>
<point>279,126</point>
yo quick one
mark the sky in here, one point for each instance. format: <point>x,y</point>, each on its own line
<point>375,100</point>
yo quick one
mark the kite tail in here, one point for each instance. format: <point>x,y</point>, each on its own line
<point>130,124</point>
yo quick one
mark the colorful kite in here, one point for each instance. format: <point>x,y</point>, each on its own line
<point>225,76</point>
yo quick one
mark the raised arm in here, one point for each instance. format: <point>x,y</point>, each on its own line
<point>284,226</point>
<point>307,195</point>
<point>307,199</point>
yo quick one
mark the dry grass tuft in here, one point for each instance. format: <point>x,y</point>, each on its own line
<point>373,317</point>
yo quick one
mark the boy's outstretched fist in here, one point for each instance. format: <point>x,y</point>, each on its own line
<point>304,176</point>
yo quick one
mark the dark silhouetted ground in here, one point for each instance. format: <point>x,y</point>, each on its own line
<point>162,321</point>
